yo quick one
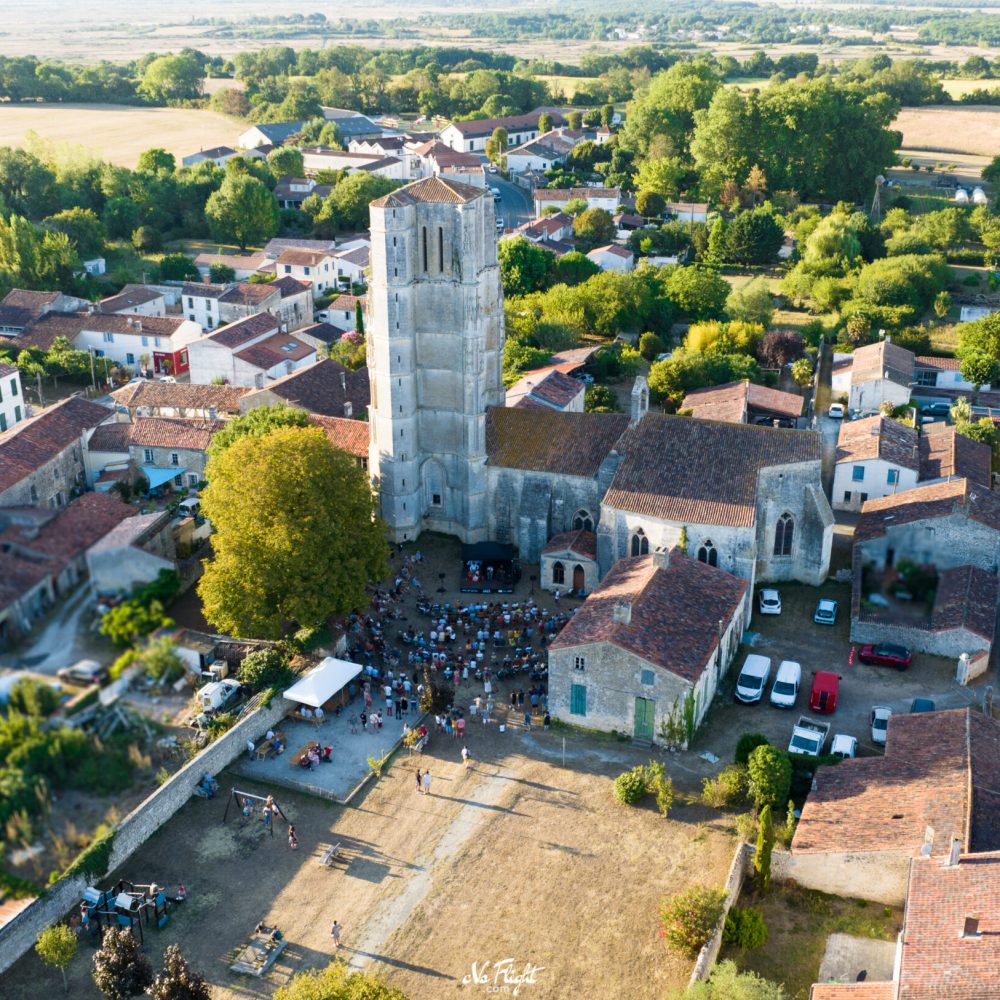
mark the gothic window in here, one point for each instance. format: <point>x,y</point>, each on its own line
<point>708,553</point>
<point>783,535</point>
<point>423,234</point>
<point>640,543</point>
<point>582,521</point>
<point>558,573</point>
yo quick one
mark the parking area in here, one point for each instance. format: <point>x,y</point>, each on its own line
<point>793,635</point>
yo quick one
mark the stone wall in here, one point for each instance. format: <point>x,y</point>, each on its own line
<point>878,876</point>
<point>734,884</point>
<point>942,642</point>
<point>56,477</point>
<point>947,542</point>
<point>18,935</point>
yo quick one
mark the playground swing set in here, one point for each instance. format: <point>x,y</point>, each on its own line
<point>248,804</point>
<point>127,904</point>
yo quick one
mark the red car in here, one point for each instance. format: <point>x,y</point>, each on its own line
<point>886,654</point>
<point>823,696</point>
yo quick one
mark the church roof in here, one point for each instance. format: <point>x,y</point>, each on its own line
<point>542,440</point>
<point>433,190</point>
<point>701,471</point>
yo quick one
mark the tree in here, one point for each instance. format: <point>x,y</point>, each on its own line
<point>221,274</point>
<point>727,983</point>
<point>753,237</point>
<point>296,537</point>
<point>242,211</point>
<point>574,207</point>
<point>756,183</point>
<point>765,845</point>
<point>753,303</point>
<point>154,161</point>
<point>607,115</point>
<point>780,347</point>
<point>35,258</point>
<point>177,981</point>
<point>160,661</point>
<point>359,319</point>
<point>979,368</point>
<point>594,227</point>
<point>942,303</point>
<point>56,946</point>
<point>574,120</point>
<point>177,267</point>
<point>264,668</point>
<point>147,239</point>
<point>663,175</point>
<point>544,122</point>
<point>601,399</point>
<point>699,292</point>
<point>858,330</point>
<point>802,372</point>
<point>171,78</point>
<point>651,346</point>
<point>121,970</point>
<point>347,205</point>
<point>27,186</point>
<point>524,267</point>
<point>770,776</point>
<point>82,226</point>
<point>689,919</point>
<point>286,161</point>
<point>337,982</point>
<point>650,204</point>
<point>257,422</point>
<point>130,619</point>
<point>496,145</point>
<point>573,268</point>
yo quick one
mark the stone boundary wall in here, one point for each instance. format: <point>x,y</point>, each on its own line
<point>18,935</point>
<point>734,884</point>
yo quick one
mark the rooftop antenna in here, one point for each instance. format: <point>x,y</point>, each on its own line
<point>876,213</point>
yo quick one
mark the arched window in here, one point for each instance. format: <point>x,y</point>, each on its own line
<point>783,532</point>
<point>640,543</point>
<point>708,553</point>
<point>582,521</point>
<point>558,573</point>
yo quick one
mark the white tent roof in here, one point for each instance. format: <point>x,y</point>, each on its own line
<point>323,682</point>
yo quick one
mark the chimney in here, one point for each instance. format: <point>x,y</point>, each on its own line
<point>138,325</point>
<point>621,613</point>
<point>971,928</point>
<point>954,854</point>
<point>343,381</point>
<point>661,559</point>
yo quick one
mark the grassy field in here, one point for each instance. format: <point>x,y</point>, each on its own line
<point>973,130</point>
<point>958,88</point>
<point>568,85</point>
<point>115,132</point>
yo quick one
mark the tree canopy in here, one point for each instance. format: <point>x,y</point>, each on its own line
<point>242,211</point>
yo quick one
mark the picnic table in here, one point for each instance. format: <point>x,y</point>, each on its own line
<point>309,718</point>
<point>265,749</point>
<point>301,752</point>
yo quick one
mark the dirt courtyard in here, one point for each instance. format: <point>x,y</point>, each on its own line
<point>521,859</point>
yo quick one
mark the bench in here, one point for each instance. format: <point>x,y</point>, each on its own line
<point>296,759</point>
<point>330,855</point>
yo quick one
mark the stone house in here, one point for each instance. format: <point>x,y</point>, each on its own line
<point>135,300</point>
<point>20,308</point>
<point>867,819</point>
<point>656,634</point>
<point>133,553</point>
<point>596,197</point>
<point>326,388</point>
<point>287,299</point>
<point>569,561</point>
<point>744,402</point>
<point>347,435</point>
<point>745,498</point>
<point>875,457</point>
<point>169,451</point>
<point>42,458</point>
<point>548,388</point>
<point>939,373</point>
<point>880,373</point>
<point>186,400</point>
<point>318,268</point>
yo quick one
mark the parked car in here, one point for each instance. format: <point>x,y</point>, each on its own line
<point>939,409</point>
<point>836,411</point>
<point>753,677</point>
<point>886,654</point>
<point>826,611</point>
<point>786,684</point>
<point>921,705</point>
<point>823,695</point>
<point>167,378</point>
<point>808,737</point>
<point>880,724</point>
<point>491,169</point>
<point>500,225</point>
<point>584,377</point>
<point>769,602</point>
<point>83,672</point>
<point>496,193</point>
<point>844,746</point>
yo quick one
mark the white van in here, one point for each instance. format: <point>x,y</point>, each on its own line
<point>786,684</point>
<point>753,677</point>
<point>213,696</point>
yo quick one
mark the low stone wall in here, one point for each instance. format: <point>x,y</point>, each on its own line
<point>19,934</point>
<point>878,876</point>
<point>950,642</point>
<point>734,884</point>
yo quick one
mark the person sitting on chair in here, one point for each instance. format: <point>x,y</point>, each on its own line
<point>319,713</point>
<point>306,713</point>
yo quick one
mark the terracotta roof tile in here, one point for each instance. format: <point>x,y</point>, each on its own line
<point>874,361</point>
<point>538,440</point>
<point>235,335</point>
<point>435,190</point>
<point>944,453</point>
<point>274,350</point>
<point>729,402</point>
<point>966,597</point>
<point>165,432</point>
<point>248,293</point>
<point>853,991</point>
<point>324,388</point>
<point>701,471</point>
<point>668,610</point>
<point>130,297</point>
<point>579,542</point>
<point>110,437</point>
<point>23,298</point>
<point>180,395</point>
<point>349,435</point>
<point>568,194</point>
<point>878,437</point>
<point>937,364</point>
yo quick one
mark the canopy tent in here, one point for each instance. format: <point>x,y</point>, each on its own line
<point>488,552</point>
<point>322,682</point>
<point>488,568</point>
<point>158,476</point>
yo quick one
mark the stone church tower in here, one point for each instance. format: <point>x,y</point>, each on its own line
<point>435,349</point>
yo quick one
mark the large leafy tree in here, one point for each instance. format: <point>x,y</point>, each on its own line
<point>242,211</point>
<point>84,229</point>
<point>33,258</point>
<point>259,421</point>
<point>753,238</point>
<point>296,536</point>
<point>27,185</point>
<point>594,227</point>
<point>524,267</point>
<point>698,291</point>
<point>172,78</point>
<point>177,980</point>
<point>120,969</point>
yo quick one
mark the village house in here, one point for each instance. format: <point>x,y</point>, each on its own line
<point>13,408</point>
<point>472,136</point>
<point>20,307</point>
<point>218,155</point>
<point>326,388</point>
<point>659,630</point>
<point>288,299</point>
<point>434,158</point>
<point>352,263</point>
<point>290,192</point>
<point>352,125</point>
<point>543,153</point>
<point>185,400</point>
<point>569,562</point>
<point>550,227</point>
<point>548,388</point>
<point>316,267</point>
<point>342,311</point>
<point>612,257</point>
<point>875,457</point>
<point>169,451</point>
<point>596,197</point>
<point>744,403</point>
<point>688,211</point>
<point>42,457</point>
<point>347,435</point>
<point>131,554</point>
<point>939,373</point>
<point>135,300</point>
<point>271,134</point>
<point>317,158</point>
<point>879,373</point>
<point>243,265</point>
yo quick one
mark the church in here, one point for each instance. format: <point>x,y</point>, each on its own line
<point>575,492</point>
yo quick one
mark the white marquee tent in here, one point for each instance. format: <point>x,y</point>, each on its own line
<point>322,682</point>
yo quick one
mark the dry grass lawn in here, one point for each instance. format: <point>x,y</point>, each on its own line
<point>973,129</point>
<point>958,87</point>
<point>118,133</point>
<point>522,858</point>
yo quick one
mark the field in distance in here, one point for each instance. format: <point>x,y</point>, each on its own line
<point>972,129</point>
<point>118,133</point>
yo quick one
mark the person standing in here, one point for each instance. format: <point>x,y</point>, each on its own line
<point>527,720</point>
<point>335,934</point>
<point>419,788</point>
<point>466,759</point>
<point>427,782</point>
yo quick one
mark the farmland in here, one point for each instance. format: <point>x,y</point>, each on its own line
<point>115,132</point>
<point>971,129</point>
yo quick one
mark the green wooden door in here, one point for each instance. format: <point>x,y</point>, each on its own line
<point>644,708</point>
<point>578,699</point>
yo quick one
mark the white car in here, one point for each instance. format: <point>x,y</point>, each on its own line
<point>491,169</point>
<point>753,677</point>
<point>769,602</point>
<point>167,378</point>
<point>844,746</point>
<point>786,684</point>
<point>836,411</point>
<point>880,724</point>
<point>826,611</point>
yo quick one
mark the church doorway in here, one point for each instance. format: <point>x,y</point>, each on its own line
<point>579,579</point>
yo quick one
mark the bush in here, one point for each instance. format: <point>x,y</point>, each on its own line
<point>264,668</point>
<point>650,345</point>
<point>746,745</point>
<point>727,789</point>
<point>746,827</point>
<point>146,239</point>
<point>727,983</point>
<point>689,919</point>
<point>31,697</point>
<point>770,776</point>
<point>630,787</point>
<point>745,928</point>
<point>972,281</point>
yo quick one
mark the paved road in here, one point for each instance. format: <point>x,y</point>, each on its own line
<point>515,206</point>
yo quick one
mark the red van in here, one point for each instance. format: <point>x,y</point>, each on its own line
<point>823,696</point>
